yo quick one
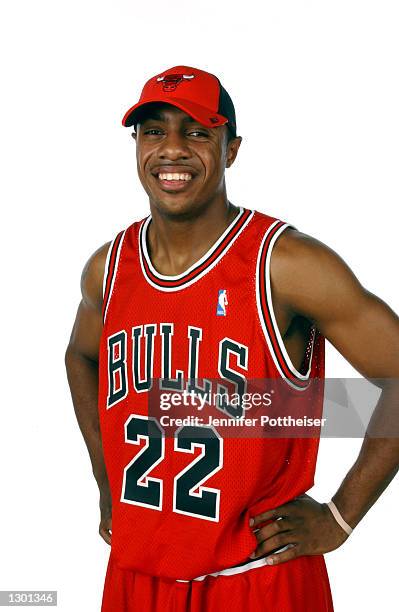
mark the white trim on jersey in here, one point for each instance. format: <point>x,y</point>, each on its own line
<point>107,265</point>
<point>143,252</point>
<point>114,271</point>
<point>238,569</point>
<point>280,340</point>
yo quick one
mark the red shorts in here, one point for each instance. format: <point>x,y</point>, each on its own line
<point>299,585</point>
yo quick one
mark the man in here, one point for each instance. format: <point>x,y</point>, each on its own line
<point>202,295</point>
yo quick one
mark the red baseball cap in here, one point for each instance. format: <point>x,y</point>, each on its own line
<point>196,92</point>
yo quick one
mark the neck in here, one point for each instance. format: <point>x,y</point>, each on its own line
<point>175,244</point>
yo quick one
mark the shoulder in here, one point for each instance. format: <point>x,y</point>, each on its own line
<point>91,282</point>
<point>307,274</point>
<point>296,251</point>
<point>293,243</point>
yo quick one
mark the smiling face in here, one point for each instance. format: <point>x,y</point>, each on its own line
<point>180,162</point>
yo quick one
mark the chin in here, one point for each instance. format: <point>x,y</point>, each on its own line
<point>175,207</point>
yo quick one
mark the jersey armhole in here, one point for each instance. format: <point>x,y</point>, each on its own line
<point>281,359</point>
<point>110,271</point>
<point>107,267</point>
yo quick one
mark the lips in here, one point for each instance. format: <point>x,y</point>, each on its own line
<point>173,185</point>
<point>174,178</point>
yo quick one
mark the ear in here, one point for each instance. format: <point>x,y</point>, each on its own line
<point>134,135</point>
<point>232,150</point>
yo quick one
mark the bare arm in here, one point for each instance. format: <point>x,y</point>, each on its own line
<point>81,360</point>
<point>320,286</point>
<point>310,280</point>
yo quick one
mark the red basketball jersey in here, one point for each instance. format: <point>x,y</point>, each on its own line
<point>182,502</point>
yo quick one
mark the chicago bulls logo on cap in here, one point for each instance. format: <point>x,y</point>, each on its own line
<point>171,81</point>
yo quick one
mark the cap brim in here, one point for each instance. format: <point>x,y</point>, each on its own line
<point>203,115</point>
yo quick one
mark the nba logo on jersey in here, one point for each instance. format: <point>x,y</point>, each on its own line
<point>222,303</point>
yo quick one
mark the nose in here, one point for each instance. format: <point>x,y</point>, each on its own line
<point>174,146</point>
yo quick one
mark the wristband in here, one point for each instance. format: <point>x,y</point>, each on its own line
<point>338,517</point>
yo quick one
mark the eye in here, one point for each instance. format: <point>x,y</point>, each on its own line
<point>153,131</point>
<point>198,133</point>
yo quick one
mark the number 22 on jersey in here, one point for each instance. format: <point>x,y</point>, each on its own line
<point>190,496</point>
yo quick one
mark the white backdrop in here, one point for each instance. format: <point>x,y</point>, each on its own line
<point>316,92</point>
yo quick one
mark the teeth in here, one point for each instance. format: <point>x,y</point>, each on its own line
<point>174,176</point>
